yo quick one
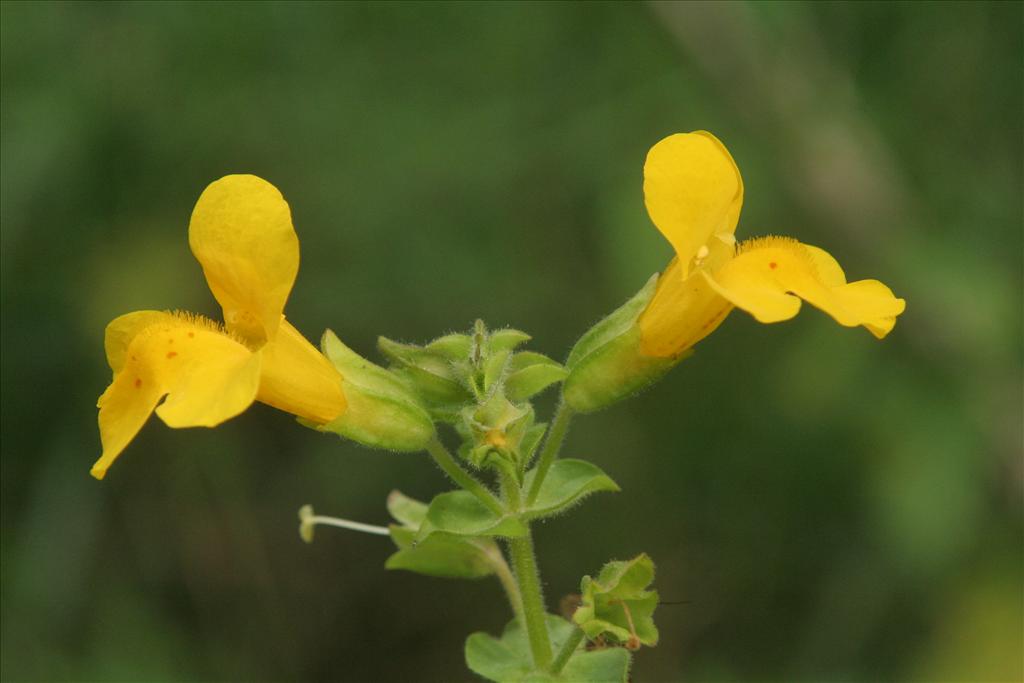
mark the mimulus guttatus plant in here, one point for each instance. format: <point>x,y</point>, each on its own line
<point>478,387</point>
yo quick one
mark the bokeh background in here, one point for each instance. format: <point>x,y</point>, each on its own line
<point>825,507</point>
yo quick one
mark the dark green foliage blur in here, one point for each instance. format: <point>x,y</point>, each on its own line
<point>821,506</point>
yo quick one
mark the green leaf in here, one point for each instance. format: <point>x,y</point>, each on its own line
<point>616,604</point>
<point>461,514</point>
<point>531,380</point>
<point>567,482</point>
<point>407,511</point>
<point>442,555</point>
<point>507,340</point>
<point>508,659</point>
<point>610,665</point>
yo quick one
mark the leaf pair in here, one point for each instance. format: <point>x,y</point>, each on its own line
<point>615,606</point>
<point>459,512</point>
<point>452,536</point>
<point>442,555</point>
<point>508,659</point>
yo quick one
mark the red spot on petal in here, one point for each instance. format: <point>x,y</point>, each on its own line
<point>172,354</point>
<point>191,334</point>
<point>138,382</point>
<point>773,265</point>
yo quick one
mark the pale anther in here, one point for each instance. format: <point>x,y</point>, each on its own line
<point>702,254</point>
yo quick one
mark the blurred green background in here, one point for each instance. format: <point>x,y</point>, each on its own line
<point>825,506</point>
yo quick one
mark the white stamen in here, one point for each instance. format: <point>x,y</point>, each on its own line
<point>354,526</point>
<point>308,520</point>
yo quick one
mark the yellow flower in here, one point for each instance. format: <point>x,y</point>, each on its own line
<point>693,193</point>
<point>241,233</point>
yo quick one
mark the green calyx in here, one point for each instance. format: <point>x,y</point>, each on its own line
<point>494,432</point>
<point>429,373</point>
<point>458,370</point>
<point>481,384</point>
<point>617,604</point>
<point>606,366</point>
<point>382,412</point>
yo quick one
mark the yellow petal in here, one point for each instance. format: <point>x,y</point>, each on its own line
<point>692,190</point>
<point>123,329</point>
<point>207,376</point>
<point>770,276</point>
<point>856,294</point>
<point>298,379</point>
<point>877,302</point>
<point>124,408</point>
<point>829,270</point>
<point>682,312</point>
<point>241,232</point>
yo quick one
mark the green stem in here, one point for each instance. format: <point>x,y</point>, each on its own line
<point>568,648</point>
<point>553,444</point>
<point>447,463</point>
<point>534,614</point>
<point>510,490</point>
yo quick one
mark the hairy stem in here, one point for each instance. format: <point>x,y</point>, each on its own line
<point>534,614</point>
<point>568,648</point>
<point>553,444</point>
<point>510,490</point>
<point>447,463</point>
